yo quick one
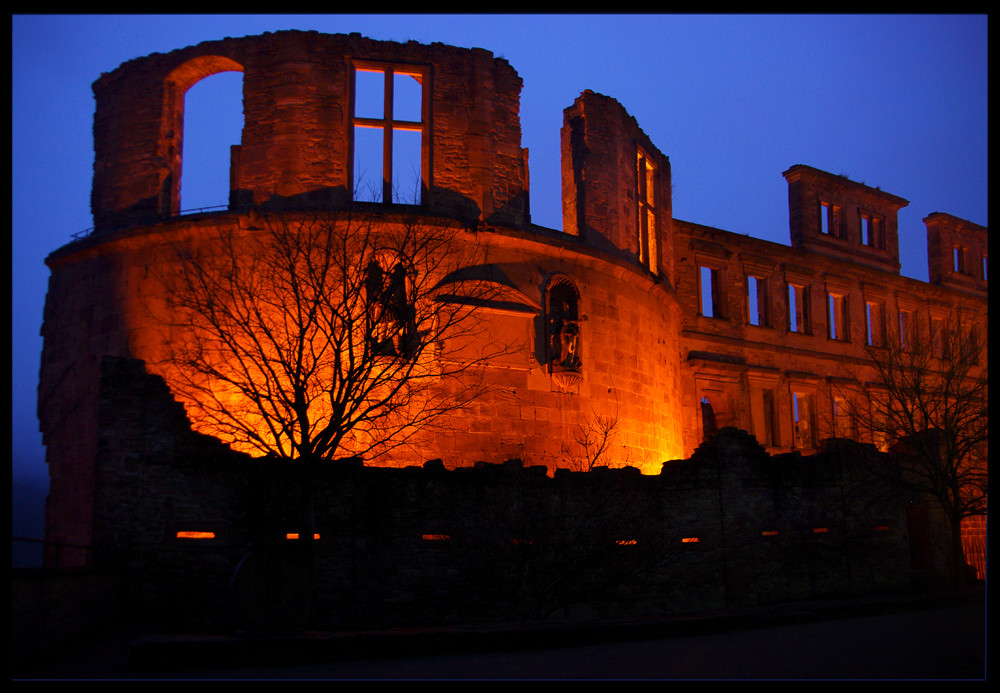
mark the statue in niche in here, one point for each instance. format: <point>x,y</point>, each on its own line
<point>564,329</point>
<point>391,317</point>
<point>569,336</point>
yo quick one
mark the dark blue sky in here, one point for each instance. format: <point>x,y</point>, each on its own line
<point>895,101</point>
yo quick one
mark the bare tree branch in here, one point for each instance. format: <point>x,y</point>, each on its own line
<point>925,398</point>
<point>325,336</point>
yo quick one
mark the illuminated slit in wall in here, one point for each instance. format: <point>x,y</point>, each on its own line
<point>295,535</point>
<point>689,540</point>
<point>187,534</point>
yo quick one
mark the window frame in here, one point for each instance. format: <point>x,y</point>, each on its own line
<point>838,316</point>
<point>802,311</point>
<point>875,324</point>
<point>718,297</point>
<point>831,219</point>
<point>872,228</point>
<point>648,213</point>
<point>762,294</point>
<point>390,125</point>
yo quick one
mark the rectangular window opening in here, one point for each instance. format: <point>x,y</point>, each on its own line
<point>646,196</point>
<point>770,419</point>
<point>837,316</point>
<point>842,420</point>
<point>938,337</point>
<point>906,329</point>
<point>389,133</point>
<point>960,260</point>
<point>798,309</point>
<point>757,303</point>
<point>710,292</point>
<point>829,219</point>
<point>871,230</point>
<point>875,323</point>
<point>803,414</point>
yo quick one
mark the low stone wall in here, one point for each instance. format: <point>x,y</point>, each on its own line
<point>498,542</point>
<point>206,536</point>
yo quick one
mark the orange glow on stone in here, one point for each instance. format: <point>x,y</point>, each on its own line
<point>689,540</point>
<point>626,542</point>
<point>769,533</point>
<point>820,530</point>
<point>295,535</point>
<point>435,537</point>
<point>195,535</point>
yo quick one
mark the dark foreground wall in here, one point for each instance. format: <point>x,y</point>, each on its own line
<point>732,526</point>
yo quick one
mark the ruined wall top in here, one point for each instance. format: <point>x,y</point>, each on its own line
<point>453,111</point>
<point>833,215</point>
<point>616,184</point>
<point>957,252</point>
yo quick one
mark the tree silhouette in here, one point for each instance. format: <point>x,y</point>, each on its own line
<point>926,402</point>
<point>321,336</point>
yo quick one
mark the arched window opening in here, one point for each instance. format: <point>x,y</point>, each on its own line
<point>213,123</point>
<point>562,307</point>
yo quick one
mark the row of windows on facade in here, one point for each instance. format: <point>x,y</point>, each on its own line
<point>873,235</point>
<point>831,223</point>
<point>717,411</point>
<point>758,306</point>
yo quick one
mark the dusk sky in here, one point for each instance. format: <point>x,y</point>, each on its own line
<point>894,101</point>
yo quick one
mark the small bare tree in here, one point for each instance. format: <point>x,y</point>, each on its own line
<point>927,402</point>
<point>595,440</point>
<point>321,336</point>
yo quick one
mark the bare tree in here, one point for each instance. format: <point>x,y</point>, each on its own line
<point>596,437</point>
<point>321,336</point>
<point>927,403</point>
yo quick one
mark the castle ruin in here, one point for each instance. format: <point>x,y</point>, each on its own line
<point>675,329</point>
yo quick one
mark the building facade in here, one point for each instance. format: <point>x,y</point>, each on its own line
<point>670,329</point>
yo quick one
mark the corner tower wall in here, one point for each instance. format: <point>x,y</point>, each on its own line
<point>298,96</point>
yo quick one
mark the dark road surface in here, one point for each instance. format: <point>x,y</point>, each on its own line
<point>918,644</point>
